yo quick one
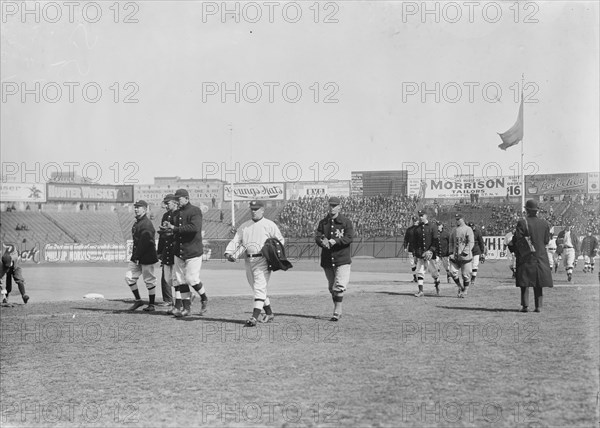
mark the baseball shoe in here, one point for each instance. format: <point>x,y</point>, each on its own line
<point>182,313</point>
<point>251,322</point>
<point>267,318</point>
<point>149,308</point>
<point>537,310</point>
<point>25,298</point>
<point>203,307</point>
<point>163,304</point>
<point>136,304</point>
<point>170,311</point>
<point>419,294</point>
<point>524,309</point>
<point>176,312</point>
<point>335,317</point>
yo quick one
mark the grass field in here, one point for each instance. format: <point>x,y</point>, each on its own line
<point>393,359</point>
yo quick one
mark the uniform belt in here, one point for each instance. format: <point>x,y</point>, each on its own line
<point>255,255</point>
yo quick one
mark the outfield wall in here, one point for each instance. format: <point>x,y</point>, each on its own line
<point>299,248</point>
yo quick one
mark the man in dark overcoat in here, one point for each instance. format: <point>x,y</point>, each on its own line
<point>533,268</point>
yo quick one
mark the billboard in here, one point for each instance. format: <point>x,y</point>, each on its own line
<point>300,189</point>
<point>593,182</point>
<point>373,183</point>
<point>198,192</point>
<point>462,187</point>
<point>556,184</point>
<point>73,192</point>
<point>249,191</point>
<point>23,192</point>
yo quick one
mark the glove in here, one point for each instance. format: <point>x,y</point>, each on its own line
<point>427,255</point>
<point>229,257</point>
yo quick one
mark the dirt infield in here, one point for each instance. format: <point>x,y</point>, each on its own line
<point>393,359</point>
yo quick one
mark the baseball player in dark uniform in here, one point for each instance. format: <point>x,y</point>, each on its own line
<point>408,243</point>
<point>334,235</point>
<point>143,257</point>
<point>478,250</point>
<point>11,268</point>
<point>166,252</point>
<point>425,247</point>
<point>589,246</point>
<point>248,242</point>
<point>187,230</point>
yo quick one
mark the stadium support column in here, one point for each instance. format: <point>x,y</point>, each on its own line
<point>523,188</point>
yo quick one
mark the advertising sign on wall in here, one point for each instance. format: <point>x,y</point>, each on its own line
<point>555,184</point>
<point>89,192</point>
<point>462,187</point>
<point>249,191</point>
<point>301,189</point>
<point>23,192</point>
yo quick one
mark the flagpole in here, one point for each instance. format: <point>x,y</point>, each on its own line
<point>231,162</point>
<point>522,149</point>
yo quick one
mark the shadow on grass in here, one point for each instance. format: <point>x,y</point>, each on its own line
<point>464,308</point>
<point>194,317</point>
<point>122,311</point>
<point>314,317</point>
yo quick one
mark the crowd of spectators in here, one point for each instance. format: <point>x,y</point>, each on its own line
<point>372,216</point>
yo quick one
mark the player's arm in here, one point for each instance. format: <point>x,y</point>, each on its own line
<point>235,248</point>
<point>469,241</point>
<point>320,237</point>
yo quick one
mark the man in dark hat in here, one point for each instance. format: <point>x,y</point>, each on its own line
<point>187,231</point>
<point>425,247</point>
<point>408,245</point>
<point>248,242</point>
<point>143,257</point>
<point>334,235</point>
<point>533,267</point>
<point>166,250</point>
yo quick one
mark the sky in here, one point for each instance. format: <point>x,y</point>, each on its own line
<point>296,90</point>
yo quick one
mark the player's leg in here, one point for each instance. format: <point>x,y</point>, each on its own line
<point>412,260</point>
<point>193,267</point>
<point>258,282</point>
<point>434,271</point>
<point>150,280</point>
<point>17,273</point>
<point>455,271</point>
<point>131,276</point>
<point>165,288</point>
<point>421,267</point>
<point>474,269</point>
<point>569,255</point>
<point>342,278</point>
<point>178,281</point>
<point>168,274</point>
<point>587,265</point>
<point>266,273</point>
<point>467,274</point>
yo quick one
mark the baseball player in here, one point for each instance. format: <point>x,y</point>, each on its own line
<point>551,250</point>
<point>143,257</point>
<point>425,247</point>
<point>10,266</point>
<point>166,252</point>
<point>334,235</point>
<point>248,242</point>
<point>478,250</point>
<point>589,247</point>
<point>567,241</point>
<point>408,238</point>
<point>462,240</point>
<point>187,230</point>
<point>443,250</point>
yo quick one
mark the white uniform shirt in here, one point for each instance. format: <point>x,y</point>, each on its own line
<point>251,237</point>
<point>551,245</point>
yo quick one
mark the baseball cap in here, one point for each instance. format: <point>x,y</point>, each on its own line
<point>181,192</point>
<point>140,203</point>
<point>470,224</point>
<point>169,197</point>
<point>255,205</point>
<point>531,205</point>
<point>334,200</point>
<point>422,212</point>
<point>458,215</point>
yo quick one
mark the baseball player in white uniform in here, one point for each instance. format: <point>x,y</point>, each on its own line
<point>248,242</point>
